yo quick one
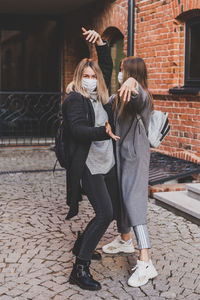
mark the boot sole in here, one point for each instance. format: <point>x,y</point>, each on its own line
<point>74,282</point>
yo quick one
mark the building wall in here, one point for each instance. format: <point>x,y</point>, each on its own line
<point>74,48</point>
<point>160,41</point>
<point>184,116</point>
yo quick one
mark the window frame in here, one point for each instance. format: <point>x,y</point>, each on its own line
<point>190,82</point>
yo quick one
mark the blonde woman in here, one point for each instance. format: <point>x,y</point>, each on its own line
<point>91,164</point>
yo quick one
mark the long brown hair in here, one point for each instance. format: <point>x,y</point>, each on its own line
<point>76,84</point>
<point>133,67</point>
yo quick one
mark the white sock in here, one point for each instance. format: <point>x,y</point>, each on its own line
<point>127,242</point>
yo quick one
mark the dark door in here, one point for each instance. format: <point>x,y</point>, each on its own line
<point>30,69</point>
<point>29,53</point>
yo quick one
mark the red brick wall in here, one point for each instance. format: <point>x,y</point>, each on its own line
<point>160,41</point>
<point>184,116</point>
<point>159,35</point>
<point>114,15</point>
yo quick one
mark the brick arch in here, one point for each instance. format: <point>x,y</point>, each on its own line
<point>180,9</point>
<point>114,16</point>
<point>112,34</point>
<point>187,15</point>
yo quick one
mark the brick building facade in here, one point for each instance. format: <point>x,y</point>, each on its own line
<point>41,45</point>
<point>165,33</point>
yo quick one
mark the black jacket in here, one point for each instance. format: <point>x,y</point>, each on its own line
<point>79,132</point>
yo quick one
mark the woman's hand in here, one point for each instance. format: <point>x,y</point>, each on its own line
<point>92,36</point>
<point>128,87</point>
<point>110,133</point>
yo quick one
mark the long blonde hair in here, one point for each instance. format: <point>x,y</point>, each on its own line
<point>76,84</point>
<point>133,67</point>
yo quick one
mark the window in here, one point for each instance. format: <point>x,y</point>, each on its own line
<point>192,53</point>
<point>117,55</point>
<point>116,41</point>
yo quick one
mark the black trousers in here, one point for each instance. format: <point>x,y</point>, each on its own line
<point>102,192</point>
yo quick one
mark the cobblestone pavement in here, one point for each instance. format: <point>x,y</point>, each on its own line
<point>36,242</point>
<point>27,159</point>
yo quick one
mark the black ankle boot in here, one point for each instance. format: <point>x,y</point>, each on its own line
<point>77,245</point>
<point>81,276</point>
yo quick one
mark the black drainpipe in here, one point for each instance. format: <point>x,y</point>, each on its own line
<point>131,11</point>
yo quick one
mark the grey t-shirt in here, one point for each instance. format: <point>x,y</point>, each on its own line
<point>100,158</point>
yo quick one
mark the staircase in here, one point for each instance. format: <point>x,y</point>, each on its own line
<point>186,203</point>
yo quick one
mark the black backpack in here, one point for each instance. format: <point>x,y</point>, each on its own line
<point>59,148</point>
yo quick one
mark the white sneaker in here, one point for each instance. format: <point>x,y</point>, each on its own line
<point>143,272</point>
<point>118,245</point>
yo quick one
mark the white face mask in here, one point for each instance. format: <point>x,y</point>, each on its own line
<point>120,77</point>
<point>89,84</point>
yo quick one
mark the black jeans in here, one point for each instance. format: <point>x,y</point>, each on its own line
<point>102,192</point>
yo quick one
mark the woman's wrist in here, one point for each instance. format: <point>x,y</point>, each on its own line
<point>136,88</point>
<point>100,42</point>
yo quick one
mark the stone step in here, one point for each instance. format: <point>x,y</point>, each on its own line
<point>180,201</point>
<point>193,190</point>
<point>167,187</point>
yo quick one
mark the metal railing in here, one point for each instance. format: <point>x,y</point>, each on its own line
<point>164,168</point>
<point>29,118</point>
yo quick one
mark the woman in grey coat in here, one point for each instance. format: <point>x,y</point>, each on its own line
<point>133,155</point>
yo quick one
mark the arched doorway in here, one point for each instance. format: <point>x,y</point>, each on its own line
<point>116,41</point>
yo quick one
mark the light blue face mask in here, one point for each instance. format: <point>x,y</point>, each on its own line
<point>89,84</point>
<point>120,77</point>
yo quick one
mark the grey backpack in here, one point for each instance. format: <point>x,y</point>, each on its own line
<point>158,127</point>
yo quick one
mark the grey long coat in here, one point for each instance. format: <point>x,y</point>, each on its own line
<point>133,156</point>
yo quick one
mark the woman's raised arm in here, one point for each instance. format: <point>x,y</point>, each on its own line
<point>103,52</point>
